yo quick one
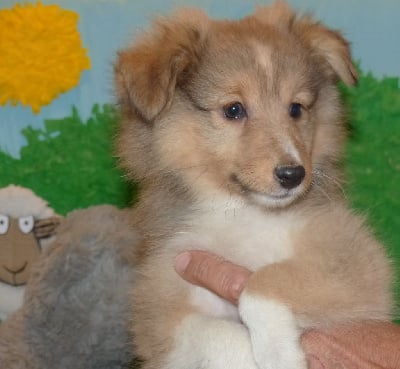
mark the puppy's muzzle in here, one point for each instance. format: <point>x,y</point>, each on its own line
<point>290,176</point>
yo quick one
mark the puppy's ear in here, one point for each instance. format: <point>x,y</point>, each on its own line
<point>146,74</point>
<point>330,45</point>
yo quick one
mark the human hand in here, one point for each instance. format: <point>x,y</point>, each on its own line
<point>367,345</point>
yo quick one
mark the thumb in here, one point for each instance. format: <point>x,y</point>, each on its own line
<point>210,271</point>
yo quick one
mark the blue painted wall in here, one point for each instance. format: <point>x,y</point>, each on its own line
<point>107,25</point>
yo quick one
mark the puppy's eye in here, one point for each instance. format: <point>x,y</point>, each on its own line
<point>234,111</point>
<point>295,110</point>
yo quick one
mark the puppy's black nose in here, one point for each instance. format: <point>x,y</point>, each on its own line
<point>290,176</point>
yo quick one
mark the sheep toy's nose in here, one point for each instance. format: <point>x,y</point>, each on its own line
<point>290,176</point>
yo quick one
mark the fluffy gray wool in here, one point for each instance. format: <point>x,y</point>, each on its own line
<point>76,309</point>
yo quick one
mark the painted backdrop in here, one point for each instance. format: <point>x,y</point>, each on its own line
<point>108,25</point>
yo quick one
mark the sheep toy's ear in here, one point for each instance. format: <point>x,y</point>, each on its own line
<point>45,228</point>
<point>147,73</point>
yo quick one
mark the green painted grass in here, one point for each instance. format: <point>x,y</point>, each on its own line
<point>372,159</point>
<point>70,163</point>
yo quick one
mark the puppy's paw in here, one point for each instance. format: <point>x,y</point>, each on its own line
<point>210,343</point>
<point>275,337</point>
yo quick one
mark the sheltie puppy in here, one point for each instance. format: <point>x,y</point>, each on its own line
<point>234,130</point>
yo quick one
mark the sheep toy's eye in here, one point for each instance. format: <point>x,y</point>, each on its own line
<point>26,224</point>
<point>295,110</point>
<point>4,223</point>
<point>234,111</point>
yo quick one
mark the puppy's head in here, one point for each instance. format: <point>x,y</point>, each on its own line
<point>248,107</point>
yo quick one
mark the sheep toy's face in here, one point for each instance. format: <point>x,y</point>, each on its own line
<point>20,245</point>
<point>25,221</point>
<point>19,248</point>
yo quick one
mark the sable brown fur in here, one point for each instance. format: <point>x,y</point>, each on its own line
<point>173,86</point>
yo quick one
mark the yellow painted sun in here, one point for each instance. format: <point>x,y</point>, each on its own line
<point>41,54</point>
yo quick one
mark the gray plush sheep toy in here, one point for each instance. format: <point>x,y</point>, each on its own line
<point>75,312</point>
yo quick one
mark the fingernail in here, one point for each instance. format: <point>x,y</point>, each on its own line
<point>182,261</point>
<point>237,289</point>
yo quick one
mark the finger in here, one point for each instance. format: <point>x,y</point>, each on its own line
<point>314,363</point>
<point>332,353</point>
<point>212,272</point>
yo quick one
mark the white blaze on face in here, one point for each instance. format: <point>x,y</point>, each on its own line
<point>263,55</point>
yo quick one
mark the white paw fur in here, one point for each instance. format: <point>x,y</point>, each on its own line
<point>275,336</point>
<point>203,342</point>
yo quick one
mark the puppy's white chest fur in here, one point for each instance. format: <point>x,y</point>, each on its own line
<point>241,233</point>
